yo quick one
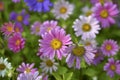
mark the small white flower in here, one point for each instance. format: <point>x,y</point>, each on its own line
<point>87,11</point>
<point>4,66</point>
<point>48,65</point>
<point>86,27</point>
<point>62,9</point>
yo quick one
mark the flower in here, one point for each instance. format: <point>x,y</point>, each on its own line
<point>18,27</point>
<point>87,11</point>
<point>109,47</point>
<point>112,67</point>
<point>77,53</point>
<point>4,66</point>
<point>35,28</point>
<point>39,5</point>
<point>99,1</point>
<point>29,76</point>
<point>62,9</point>
<point>7,28</point>
<point>22,17</point>
<point>55,42</point>
<point>48,25</point>
<point>105,13</point>
<point>16,42</point>
<point>86,27</point>
<point>15,1</point>
<point>28,68</point>
<point>1,6</point>
<point>48,65</point>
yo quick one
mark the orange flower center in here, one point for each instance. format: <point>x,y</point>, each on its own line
<point>1,6</point>
<point>17,29</point>
<point>18,42</point>
<point>9,28</point>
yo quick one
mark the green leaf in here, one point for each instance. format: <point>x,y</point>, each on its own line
<point>91,72</point>
<point>67,76</point>
<point>61,70</point>
<point>83,64</point>
<point>57,76</point>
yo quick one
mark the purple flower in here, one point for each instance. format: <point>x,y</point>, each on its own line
<point>105,13</point>
<point>18,27</point>
<point>112,67</point>
<point>28,68</point>
<point>15,1</point>
<point>109,47</point>
<point>99,1</point>
<point>16,42</point>
<point>76,53</point>
<point>39,5</point>
<point>55,42</point>
<point>22,17</point>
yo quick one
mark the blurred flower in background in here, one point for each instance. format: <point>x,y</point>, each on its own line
<point>16,1</point>
<point>1,6</point>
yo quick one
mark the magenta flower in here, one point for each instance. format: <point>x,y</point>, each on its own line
<point>35,28</point>
<point>105,13</point>
<point>99,1</point>
<point>7,28</point>
<point>28,68</point>
<point>76,53</point>
<point>109,47</point>
<point>16,42</point>
<point>55,42</point>
<point>112,67</point>
<point>48,25</point>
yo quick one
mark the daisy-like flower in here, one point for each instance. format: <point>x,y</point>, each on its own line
<point>55,42</point>
<point>62,9</point>
<point>112,67</point>
<point>15,1</point>
<point>7,28</point>
<point>28,68</point>
<point>48,65</point>
<point>87,27</point>
<point>77,53</point>
<point>35,28</point>
<point>87,11</point>
<point>48,25</point>
<point>39,5</point>
<point>29,76</point>
<point>109,47</point>
<point>99,1</point>
<point>16,42</point>
<point>4,66</point>
<point>22,17</point>
<point>105,13</point>
<point>18,27</point>
<point>1,6</point>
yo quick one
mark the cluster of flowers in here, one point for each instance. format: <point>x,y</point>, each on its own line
<point>55,43</point>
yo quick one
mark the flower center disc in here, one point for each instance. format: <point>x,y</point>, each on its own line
<point>56,44</point>
<point>88,13</point>
<point>2,66</point>
<point>19,18</point>
<point>17,42</point>
<point>113,67</point>
<point>101,1</point>
<point>108,47</point>
<point>63,10</point>
<point>27,70</point>
<point>49,63</point>
<point>10,29</point>
<point>104,13</point>
<point>86,27</point>
<point>78,51</point>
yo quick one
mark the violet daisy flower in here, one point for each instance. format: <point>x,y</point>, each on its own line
<point>15,1</point>
<point>28,68</point>
<point>16,42</point>
<point>39,5</point>
<point>18,27</point>
<point>29,76</point>
<point>22,17</point>
<point>109,47</point>
<point>77,53</point>
<point>105,13</point>
<point>48,25</point>
<point>112,67</point>
<point>55,42</point>
<point>7,28</point>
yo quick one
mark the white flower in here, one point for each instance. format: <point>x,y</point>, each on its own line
<point>48,65</point>
<point>87,11</point>
<point>62,9</point>
<point>4,66</point>
<point>86,27</point>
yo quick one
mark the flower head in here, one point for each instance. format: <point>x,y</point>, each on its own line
<point>105,13</point>
<point>87,27</point>
<point>18,28</point>
<point>62,9</point>
<point>15,1</point>
<point>87,11</point>
<point>4,66</point>
<point>99,1</point>
<point>112,67</point>
<point>16,42</point>
<point>39,5</point>
<point>55,42</point>
<point>109,47</point>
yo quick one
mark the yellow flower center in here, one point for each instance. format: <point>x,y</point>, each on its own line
<point>40,0</point>
<point>37,29</point>
<point>27,70</point>
<point>88,13</point>
<point>101,1</point>
<point>87,43</point>
<point>108,47</point>
<point>10,28</point>
<point>56,44</point>
<point>49,63</point>
<point>63,10</point>
<point>17,29</point>
<point>78,51</point>
<point>86,27</point>
<point>113,67</point>
<point>2,66</point>
<point>19,18</point>
<point>104,14</point>
<point>17,42</point>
